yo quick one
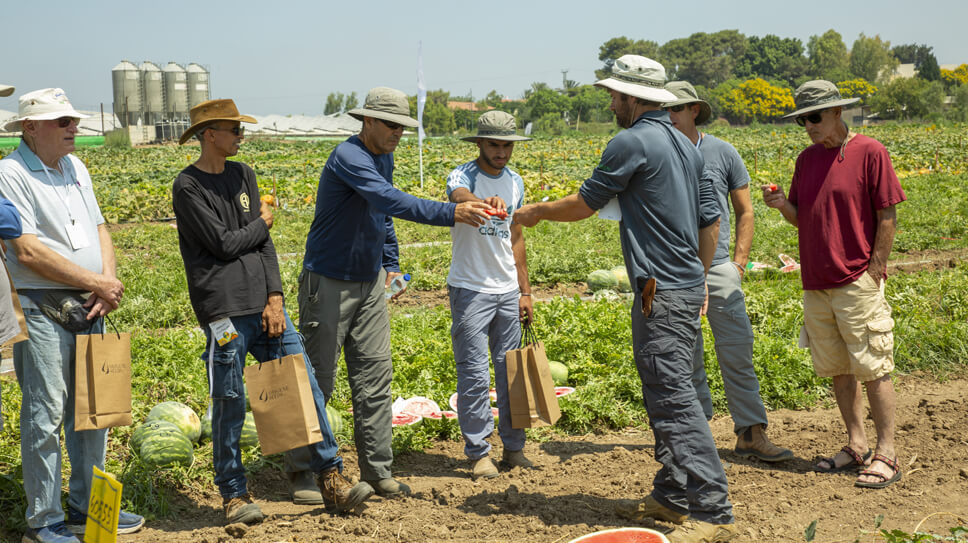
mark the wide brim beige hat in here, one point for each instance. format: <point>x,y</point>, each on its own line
<point>639,77</point>
<point>817,95</point>
<point>496,125</point>
<point>6,90</point>
<point>42,105</point>
<point>223,109</point>
<point>387,104</point>
<point>686,94</point>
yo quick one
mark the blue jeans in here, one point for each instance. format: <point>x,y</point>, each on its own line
<point>228,400</point>
<point>45,372</point>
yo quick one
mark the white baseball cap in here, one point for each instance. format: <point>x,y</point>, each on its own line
<point>43,105</point>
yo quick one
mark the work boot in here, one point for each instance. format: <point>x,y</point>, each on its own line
<point>241,509</point>
<point>339,495</point>
<point>515,459</point>
<point>303,489</point>
<point>483,467</point>
<point>694,531</point>
<point>753,443</point>
<point>648,508</point>
<point>389,487</point>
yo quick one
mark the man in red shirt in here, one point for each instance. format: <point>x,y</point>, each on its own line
<point>842,200</point>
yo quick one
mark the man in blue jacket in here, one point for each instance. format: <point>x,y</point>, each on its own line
<point>351,257</point>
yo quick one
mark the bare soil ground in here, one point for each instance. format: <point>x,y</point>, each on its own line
<point>579,480</point>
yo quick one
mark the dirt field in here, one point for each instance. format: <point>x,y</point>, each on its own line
<point>579,480</point>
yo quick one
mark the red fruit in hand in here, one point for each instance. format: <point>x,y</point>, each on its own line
<point>773,187</point>
<point>499,213</point>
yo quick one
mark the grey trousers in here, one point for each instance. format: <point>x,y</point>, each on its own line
<point>691,480</point>
<point>351,317</point>
<point>734,350</point>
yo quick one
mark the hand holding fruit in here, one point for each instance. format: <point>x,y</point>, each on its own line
<point>773,195</point>
<point>472,213</point>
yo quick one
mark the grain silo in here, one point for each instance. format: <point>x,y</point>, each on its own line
<point>176,91</point>
<point>154,92</point>
<point>197,84</point>
<point>128,94</point>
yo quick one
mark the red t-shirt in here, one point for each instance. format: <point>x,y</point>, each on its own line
<point>837,201</point>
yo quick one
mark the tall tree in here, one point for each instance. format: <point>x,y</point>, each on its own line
<point>334,103</point>
<point>351,101</point>
<point>773,57</point>
<point>828,56</point>
<point>871,58</point>
<point>616,47</point>
<point>922,56</point>
<point>704,59</point>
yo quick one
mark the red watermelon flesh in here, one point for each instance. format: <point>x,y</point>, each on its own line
<point>405,419</point>
<point>623,535</point>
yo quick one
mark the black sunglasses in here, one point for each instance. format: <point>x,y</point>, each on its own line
<point>236,130</point>
<point>391,125</point>
<point>814,118</point>
<point>64,122</point>
<point>676,109</point>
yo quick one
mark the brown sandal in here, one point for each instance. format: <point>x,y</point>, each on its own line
<point>885,481</point>
<point>857,462</point>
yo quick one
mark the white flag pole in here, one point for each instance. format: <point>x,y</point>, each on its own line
<point>421,101</point>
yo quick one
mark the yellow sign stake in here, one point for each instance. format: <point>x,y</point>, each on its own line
<point>103,509</point>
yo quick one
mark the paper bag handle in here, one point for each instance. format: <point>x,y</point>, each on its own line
<point>282,347</point>
<point>109,321</point>
<point>528,336</point>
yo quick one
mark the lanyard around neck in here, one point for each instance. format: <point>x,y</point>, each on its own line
<point>67,186</point>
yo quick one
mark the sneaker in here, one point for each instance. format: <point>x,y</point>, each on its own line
<point>303,489</point>
<point>241,509</point>
<point>389,487</point>
<point>753,443</point>
<point>128,523</point>
<point>339,495</point>
<point>648,508</point>
<point>483,467</point>
<point>515,459</point>
<point>55,533</point>
<point>694,531</point>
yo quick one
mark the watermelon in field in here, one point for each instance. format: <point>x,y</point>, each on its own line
<point>162,450</point>
<point>250,438</point>
<point>622,276</point>
<point>206,425</point>
<point>601,279</point>
<point>149,428</point>
<point>181,416</point>
<point>335,419</point>
<point>559,372</point>
<point>623,535</point>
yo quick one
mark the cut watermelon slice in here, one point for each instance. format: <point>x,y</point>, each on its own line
<point>406,419</point>
<point>623,535</point>
<point>563,391</point>
<point>442,415</point>
<point>418,405</point>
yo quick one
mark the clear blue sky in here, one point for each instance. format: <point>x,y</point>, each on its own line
<point>286,56</point>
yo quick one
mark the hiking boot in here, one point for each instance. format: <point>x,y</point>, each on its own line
<point>55,533</point>
<point>389,487</point>
<point>515,459</point>
<point>340,495</point>
<point>753,443</point>
<point>128,523</point>
<point>694,531</point>
<point>303,489</point>
<point>483,467</point>
<point>241,509</point>
<point>648,508</point>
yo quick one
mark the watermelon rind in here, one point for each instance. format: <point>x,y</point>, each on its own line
<point>164,450</point>
<point>151,427</point>
<point>206,425</point>
<point>335,419</point>
<point>559,372</point>
<point>602,279</point>
<point>622,276</point>
<point>181,416</point>
<point>249,437</point>
<point>624,535</point>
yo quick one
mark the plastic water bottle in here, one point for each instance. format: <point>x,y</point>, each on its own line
<point>399,283</point>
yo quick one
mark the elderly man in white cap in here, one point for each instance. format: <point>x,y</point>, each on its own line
<point>351,257</point>
<point>842,201</point>
<point>65,252</point>
<point>726,311</point>
<point>489,292</point>
<point>669,227</point>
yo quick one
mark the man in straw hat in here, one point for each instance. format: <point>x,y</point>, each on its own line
<point>669,229</point>
<point>842,201</point>
<point>236,290</point>
<point>489,291</point>
<point>65,248</point>
<point>726,310</point>
<point>351,257</point>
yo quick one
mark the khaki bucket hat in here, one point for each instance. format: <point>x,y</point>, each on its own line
<point>42,105</point>
<point>223,109</point>
<point>496,125</point>
<point>816,95</point>
<point>686,94</point>
<point>387,104</point>
<point>640,77</point>
<point>6,90</point>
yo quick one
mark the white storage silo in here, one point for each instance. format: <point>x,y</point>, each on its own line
<point>128,94</point>
<point>198,90</point>
<point>176,91</point>
<point>154,92</point>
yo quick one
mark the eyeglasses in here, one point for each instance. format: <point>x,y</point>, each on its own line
<point>236,130</point>
<point>676,109</point>
<point>391,125</point>
<point>64,122</point>
<point>814,118</point>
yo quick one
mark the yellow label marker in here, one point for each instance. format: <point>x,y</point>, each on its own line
<point>103,509</point>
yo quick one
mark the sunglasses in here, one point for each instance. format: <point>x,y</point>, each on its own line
<point>391,125</point>
<point>64,122</point>
<point>676,109</point>
<point>236,130</point>
<point>814,118</point>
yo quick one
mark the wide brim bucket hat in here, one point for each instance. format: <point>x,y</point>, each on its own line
<point>817,95</point>
<point>496,125</point>
<point>686,94</point>
<point>387,104</point>
<point>6,90</point>
<point>640,77</point>
<point>42,105</point>
<point>223,109</point>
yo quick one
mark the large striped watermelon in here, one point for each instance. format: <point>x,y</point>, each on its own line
<point>151,427</point>
<point>162,450</point>
<point>181,416</point>
<point>335,419</point>
<point>250,438</point>
<point>206,425</point>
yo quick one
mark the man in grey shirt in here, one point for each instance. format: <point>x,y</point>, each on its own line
<point>726,311</point>
<point>668,231</point>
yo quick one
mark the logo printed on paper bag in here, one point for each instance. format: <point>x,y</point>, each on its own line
<point>268,395</point>
<point>108,368</point>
